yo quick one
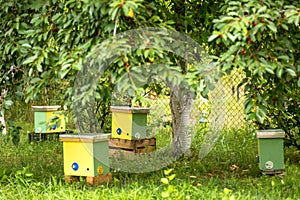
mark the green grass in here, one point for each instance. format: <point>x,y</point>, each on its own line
<point>229,171</point>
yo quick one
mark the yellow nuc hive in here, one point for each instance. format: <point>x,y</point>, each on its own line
<point>85,155</point>
<point>129,122</point>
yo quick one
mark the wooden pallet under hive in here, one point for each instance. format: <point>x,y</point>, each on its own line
<point>33,137</point>
<point>128,148</point>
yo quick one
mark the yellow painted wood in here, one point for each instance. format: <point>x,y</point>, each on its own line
<point>61,118</point>
<point>80,153</point>
<point>123,122</point>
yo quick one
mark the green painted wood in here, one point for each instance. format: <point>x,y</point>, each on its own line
<point>139,126</point>
<point>101,157</point>
<point>40,125</point>
<point>271,155</point>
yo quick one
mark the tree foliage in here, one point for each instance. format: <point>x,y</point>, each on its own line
<point>44,43</point>
<point>262,38</point>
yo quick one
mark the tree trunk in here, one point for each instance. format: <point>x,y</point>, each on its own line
<point>2,123</point>
<point>181,101</point>
<point>2,120</point>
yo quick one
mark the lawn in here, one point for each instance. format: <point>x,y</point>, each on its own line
<point>230,171</point>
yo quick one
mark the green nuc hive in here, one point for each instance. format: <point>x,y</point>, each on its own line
<point>270,150</point>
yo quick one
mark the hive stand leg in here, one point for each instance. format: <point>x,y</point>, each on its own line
<point>29,137</point>
<point>43,137</point>
<point>99,180</point>
<point>71,179</point>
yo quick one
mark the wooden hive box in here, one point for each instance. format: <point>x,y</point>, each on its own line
<point>270,150</point>
<point>129,122</point>
<point>87,156</point>
<point>47,119</point>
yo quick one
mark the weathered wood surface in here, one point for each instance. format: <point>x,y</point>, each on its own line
<point>91,180</point>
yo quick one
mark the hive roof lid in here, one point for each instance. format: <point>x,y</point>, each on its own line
<point>84,137</point>
<point>45,108</point>
<point>270,133</point>
<point>127,109</point>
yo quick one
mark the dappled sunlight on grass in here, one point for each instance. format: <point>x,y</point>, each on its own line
<point>230,171</point>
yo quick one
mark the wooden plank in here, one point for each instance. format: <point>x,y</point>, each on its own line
<point>145,142</point>
<point>146,149</point>
<point>131,144</point>
<point>121,143</point>
<point>128,148</point>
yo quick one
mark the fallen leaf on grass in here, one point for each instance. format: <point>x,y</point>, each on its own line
<point>234,167</point>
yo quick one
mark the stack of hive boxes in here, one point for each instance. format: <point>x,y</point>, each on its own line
<point>129,132</point>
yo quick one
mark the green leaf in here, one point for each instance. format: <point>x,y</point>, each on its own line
<point>291,72</point>
<point>279,72</point>
<point>19,94</point>
<point>226,18</point>
<point>262,9</point>
<point>212,37</point>
<point>28,174</point>
<point>272,27</point>
<point>296,21</point>
<point>284,57</point>
<point>39,67</point>
<point>168,171</point>
<point>234,3</point>
<point>171,177</point>
<point>249,107</point>
<point>164,180</point>
<point>26,45</point>
<point>64,73</point>
<point>231,37</point>
<point>114,12</point>
<point>30,71</point>
<point>8,103</point>
<point>35,80</point>
<point>30,59</point>
<point>259,117</point>
<point>165,194</point>
<point>56,16</point>
<point>257,27</point>
<point>146,53</point>
<point>284,26</point>
<point>298,82</point>
<point>270,70</point>
<point>65,66</point>
<point>233,14</point>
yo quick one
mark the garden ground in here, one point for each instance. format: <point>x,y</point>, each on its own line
<point>229,171</point>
